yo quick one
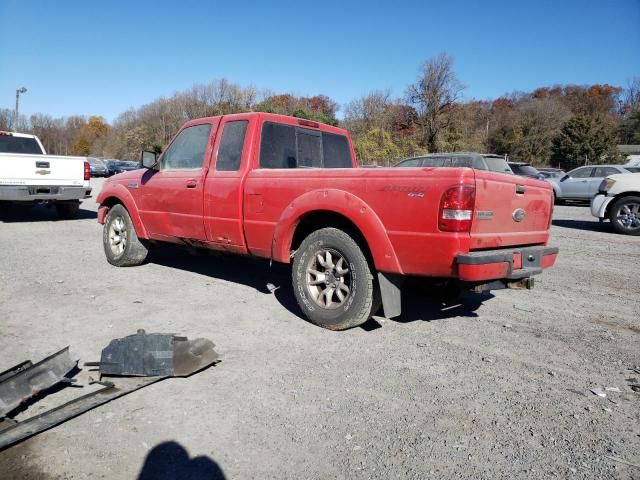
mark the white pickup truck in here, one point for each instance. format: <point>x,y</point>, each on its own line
<point>28,175</point>
<point>618,199</point>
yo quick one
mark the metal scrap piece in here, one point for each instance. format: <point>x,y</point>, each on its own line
<point>18,431</point>
<point>26,379</point>
<point>155,354</point>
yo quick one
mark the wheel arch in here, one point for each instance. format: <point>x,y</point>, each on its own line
<point>122,197</point>
<point>618,197</point>
<point>342,210</point>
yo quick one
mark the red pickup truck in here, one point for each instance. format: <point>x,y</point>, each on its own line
<point>290,190</point>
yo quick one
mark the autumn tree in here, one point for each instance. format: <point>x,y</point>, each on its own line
<point>584,140</point>
<point>433,95</point>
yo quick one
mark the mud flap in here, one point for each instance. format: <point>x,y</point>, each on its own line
<point>391,295</point>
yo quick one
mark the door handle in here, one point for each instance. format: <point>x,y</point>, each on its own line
<point>192,184</point>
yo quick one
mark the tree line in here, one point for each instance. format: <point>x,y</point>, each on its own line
<point>563,126</point>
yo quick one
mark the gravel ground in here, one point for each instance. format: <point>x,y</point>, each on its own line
<point>497,386</point>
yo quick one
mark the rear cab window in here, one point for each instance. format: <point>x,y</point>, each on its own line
<point>13,144</point>
<point>289,146</point>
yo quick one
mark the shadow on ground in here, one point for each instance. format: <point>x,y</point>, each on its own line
<point>420,301</point>
<point>39,213</point>
<point>593,226</point>
<point>170,461</point>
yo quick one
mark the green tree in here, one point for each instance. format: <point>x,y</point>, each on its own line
<point>629,131</point>
<point>584,139</point>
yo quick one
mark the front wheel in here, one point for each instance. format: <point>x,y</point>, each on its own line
<point>333,281</point>
<point>121,244</point>
<point>625,215</point>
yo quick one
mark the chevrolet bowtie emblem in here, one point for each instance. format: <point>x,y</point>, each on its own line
<point>42,171</point>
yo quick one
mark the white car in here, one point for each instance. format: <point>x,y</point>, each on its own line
<point>618,200</point>
<point>28,175</point>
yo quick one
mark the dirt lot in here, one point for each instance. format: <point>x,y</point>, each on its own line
<point>495,387</point>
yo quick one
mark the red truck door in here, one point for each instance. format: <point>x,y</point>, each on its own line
<point>223,194</point>
<point>171,198</point>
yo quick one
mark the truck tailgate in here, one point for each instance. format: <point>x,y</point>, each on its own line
<point>24,169</point>
<point>510,210</point>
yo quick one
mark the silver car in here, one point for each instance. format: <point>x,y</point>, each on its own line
<point>582,183</point>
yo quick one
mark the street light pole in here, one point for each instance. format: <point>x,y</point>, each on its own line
<point>15,114</point>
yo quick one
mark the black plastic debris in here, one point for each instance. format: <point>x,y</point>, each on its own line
<point>155,354</point>
<point>27,379</point>
<point>127,364</point>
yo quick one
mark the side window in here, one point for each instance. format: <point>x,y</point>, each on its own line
<point>231,143</point>
<point>278,146</point>
<point>461,162</point>
<point>336,151</point>
<point>414,162</point>
<point>187,150</point>
<point>605,171</point>
<point>581,172</point>
<point>478,163</point>
<point>434,162</point>
<point>309,150</point>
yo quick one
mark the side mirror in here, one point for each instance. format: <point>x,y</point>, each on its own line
<point>564,178</point>
<point>149,159</point>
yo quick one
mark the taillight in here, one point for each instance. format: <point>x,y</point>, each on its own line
<point>551,211</point>
<point>87,171</point>
<point>456,208</point>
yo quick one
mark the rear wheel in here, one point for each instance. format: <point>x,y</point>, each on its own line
<point>121,244</point>
<point>333,281</point>
<point>625,215</point>
<point>67,210</point>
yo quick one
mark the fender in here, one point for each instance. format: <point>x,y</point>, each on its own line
<point>120,193</point>
<point>345,204</point>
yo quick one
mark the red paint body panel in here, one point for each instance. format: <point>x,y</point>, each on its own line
<point>397,210</point>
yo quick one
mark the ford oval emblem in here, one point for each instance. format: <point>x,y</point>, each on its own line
<point>518,214</point>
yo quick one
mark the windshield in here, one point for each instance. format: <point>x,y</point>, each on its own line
<point>11,144</point>
<point>525,170</point>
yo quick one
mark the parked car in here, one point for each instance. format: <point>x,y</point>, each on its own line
<point>479,161</point>
<point>28,175</point>
<point>618,200</point>
<point>119,166</point>
<point>582,183</point>
<point>525,170</point>
<point>290,190</point>
<point>97,167</point>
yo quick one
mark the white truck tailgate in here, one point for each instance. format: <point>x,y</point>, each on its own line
<point>24,169</point>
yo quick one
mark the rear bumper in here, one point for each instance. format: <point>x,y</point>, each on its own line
<point>505,264</point>
<point>599,205</point>
<point>26,193</point>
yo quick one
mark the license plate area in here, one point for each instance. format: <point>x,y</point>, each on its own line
<point>37,190</point>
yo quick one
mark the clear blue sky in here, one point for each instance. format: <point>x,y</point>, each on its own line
<point>90,57</point>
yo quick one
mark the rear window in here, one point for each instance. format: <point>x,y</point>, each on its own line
<point>287,146</point>
<point>11,144</point>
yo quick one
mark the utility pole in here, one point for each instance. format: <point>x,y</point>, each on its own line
<point>15,114</point>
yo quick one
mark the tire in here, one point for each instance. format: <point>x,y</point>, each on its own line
<point>67,210</point>
<point>332,280</point>
<point>121,244</point>
<point>624,215</point>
